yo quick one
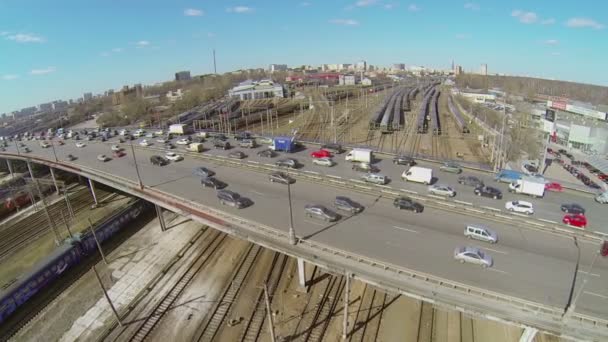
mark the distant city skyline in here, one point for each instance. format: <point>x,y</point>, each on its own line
<point>63,49</point>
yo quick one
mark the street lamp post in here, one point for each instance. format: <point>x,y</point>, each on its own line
<point>292,232</point>
<point>141,184</point>
<point>54,152</point>
<point>17,146</point>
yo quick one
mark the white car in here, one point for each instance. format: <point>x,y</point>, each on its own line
<point>182,142</point>
<point>520,207</point>
<point>172,156</point>
<point>102,158</point>
<point>144,143</point>
<point>80,144</point>
<point>115,148</point>
<point>159,132</point>
<point>323,162</point>
<point>473,255</point>
<point>161,140</point>
<point>123,132</point>
<point>442,190</point>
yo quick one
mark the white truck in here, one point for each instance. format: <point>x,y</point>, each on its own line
<point>179,129</point>
<point>532,186</point>
<point>418,174</point>
<point>602,198</point>
<point>360,155</point>
<point>195,147</point>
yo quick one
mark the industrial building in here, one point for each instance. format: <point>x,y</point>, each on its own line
<point>87,97</point>
<point>477,96</point>
<point>398,67</point>
<point>182,76</point>
<point>125,93</point>
<point>277,67</point>
<point>263,89</point>
<point>347,80</point>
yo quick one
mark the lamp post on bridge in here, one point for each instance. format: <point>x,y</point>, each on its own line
<point>292,233</point>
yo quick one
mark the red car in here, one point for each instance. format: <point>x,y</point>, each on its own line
<point>118,154</point>
<point>320,154</point>
<point>554,186</point>
<point>577,220</point>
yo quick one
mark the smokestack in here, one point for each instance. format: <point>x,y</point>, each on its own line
<point>214,65</point>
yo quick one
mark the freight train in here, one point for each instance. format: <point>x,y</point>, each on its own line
<point>62,259</point>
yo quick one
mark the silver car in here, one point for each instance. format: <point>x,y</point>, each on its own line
<point>473,255</point>
<point>323,162</point>
<point>375,178</point>
<point>442,190</point>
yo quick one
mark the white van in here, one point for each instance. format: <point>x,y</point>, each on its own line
<point>480,233</point>
<point>418,174</point>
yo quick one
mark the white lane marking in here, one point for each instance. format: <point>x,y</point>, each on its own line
<point>437,197</point>
<point>315,223</point>
<point>356,180</point>
<point>548,221</point>
<point>591,274</point>
<point>497,270</point>
<point>503,216</point>
<point>410,191</point>
<point>490,208</point>
<point>495,250</point>
<point>253,162</point>
<point>332,176</point>
<point>270,165</point>
<point>461,202</point>
<point>383,186</point>
<point>447,204</point>
<point>534,223</point>
<point>406,229</point>
<point>257,193</point>
<point>601,233</point>
<point>313,172</point>
<point>474,210</point>
<point>596,294</point>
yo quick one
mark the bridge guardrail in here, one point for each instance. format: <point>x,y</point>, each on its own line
<point>113,180</point>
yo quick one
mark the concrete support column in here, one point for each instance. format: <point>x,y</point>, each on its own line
<point>528,334</point>
<point>346,300</point>
<point>92,187</point>
<point>301,274</point>
<point>161,219</point>
<point>54,180</point>
<point>10,167</point>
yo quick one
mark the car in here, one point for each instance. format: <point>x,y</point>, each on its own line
<point>183,141</point>
<point>572,208</point>
<point>172,156</point>
<point>159,132</point>
<point>243,136</point>
<point>375,178</point>
<point>577,220</point>
<point>102,157</point>
<point>118,154</point>
<point>323,162</point>
<point>287,162</point>
<point>479,232</point>
<point>247,143</point>
<point>27,150</point>
<point>116,148</point>
<point>150,135</point>
<point>554,186</point>
<point>23,145</point>
<point>365,167</point>
<point>158,160</point>
<point>473,255</point>
<point>407,203</point>
<point>70,157</point>
<point>237,155</point>
<point>266,153</point>
<point>212,182</point>
<point>90,138</point>
<point>451,167</point>
<point>520,207</point>
<point>488,191</point>
<point>224,145</point>
<point>346,204</point>
<point>529,169</point>
<point>144,143</point>
<point>44,144</point>
<point>202,172</point>
<point>265,140</point>
<point>442,190</point>
<point>321,212</point>
<point>404,160</point>
<point>169,146</point>
<point>320,154</point>
<point>281,177</point>
<point>60,142</point>
<point>470,181</point>
<point>233,199</point>
<point>335,148</point>
<point>220,136</point>
<point>80,144</point>
<point>162,140</point>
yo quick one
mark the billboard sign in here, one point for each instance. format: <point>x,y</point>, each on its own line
<point>586,112</point>
<point>550,115</point>
<point>557,105</point>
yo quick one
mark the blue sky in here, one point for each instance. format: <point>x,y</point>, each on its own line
<point>60,49</point>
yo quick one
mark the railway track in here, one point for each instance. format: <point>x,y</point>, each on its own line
<point>256,320</point>
<point>224,303</point>
<point>34,226</point>
<point>150,322</point>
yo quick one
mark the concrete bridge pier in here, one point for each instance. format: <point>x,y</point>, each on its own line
<point>10,167</point>
<point>528,334</point>
<point>54,180</point>
<point>92,187</point>
<point>161,219</point>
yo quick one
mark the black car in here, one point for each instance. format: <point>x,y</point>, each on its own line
<point>335,148</point>
<point>365,167</point>
<point>70,157</point>
<point>233,199</point>
<point>237,155</point>
<point>281,177</point>
<point>158,160</point>
<point>346,204</point>
<point>572,208</point>
<point>169,146</point>
<point>404,160</point>
<point>287,162</point>
<point>470,181</point>
<point>220,136</point>
<point>488,191</point>
<point>408,204</point>
<point>266,153</point>
<point>212,182</point>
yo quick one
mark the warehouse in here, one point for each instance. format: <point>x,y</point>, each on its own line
<point>252,90</point>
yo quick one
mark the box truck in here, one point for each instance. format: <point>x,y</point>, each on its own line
<point>285,144</point>
<point>508,176</point>
<point>195,147</point>
<point>179,129</point>
<point>360,155</point>
<point>528,186</point>
<point>418,174</point>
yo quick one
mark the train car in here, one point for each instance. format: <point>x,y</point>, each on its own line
<point>62,259</point>
<point>387,116</point>
<point>398,111</point>
<point>422,120</point>
<point>462,125</point>
<point>434,113</point>
<point>377,117</point>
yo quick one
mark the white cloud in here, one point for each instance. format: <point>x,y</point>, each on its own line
<point>239,9</point>
<point>551,41</point>
<point>413,8</point>
<point>193,12</point>
<point>462,36</point>
<point>4,33</point>
<point>471,6</point>
<point>584,22</point>
<point>43,71</point>
<point>555,53</point>
<point>525,17</point>
<point>117,50</point>
<point>365,3</point>
<point>549,21</point>
<point>390,6</point>
<point>25,38</point>
<point>344,22</point>
<point>210,35</point>
<point>10,77</point>
<point>104,54</point>
<point>305,4</point>
<point>142,43</point>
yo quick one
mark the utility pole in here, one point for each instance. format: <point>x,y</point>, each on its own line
<point>141,185</point>
<point>46,211</point>
<point>292,232</point>
<point>54,152</point>
<point>346,299</point>
<point>105,293</point>
<point>67,226</point>
<point>269,313</point>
